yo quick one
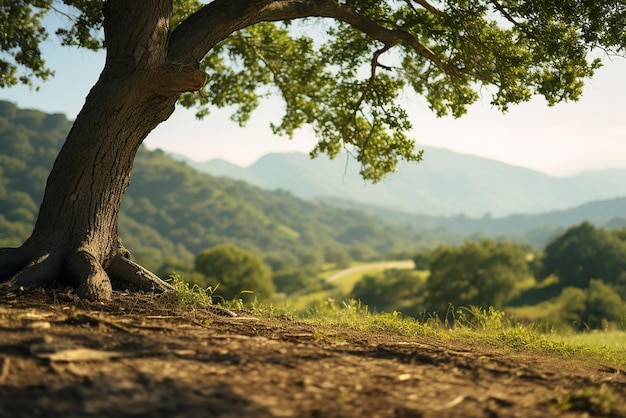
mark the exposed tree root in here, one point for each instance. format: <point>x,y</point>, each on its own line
<point>125,270</point>
<point>42,271</point>
<point>80,268</point>
<point>94,282</point>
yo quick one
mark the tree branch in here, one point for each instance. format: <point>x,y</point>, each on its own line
<point>291,9</point>
<point>173,78</point>
<point>200,32</point>
<point>508,17</point>
<point>195,37</point>
<point>426,5</point>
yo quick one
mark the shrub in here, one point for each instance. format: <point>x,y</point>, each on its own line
<point>235,271</point>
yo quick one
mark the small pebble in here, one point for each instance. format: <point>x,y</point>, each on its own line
<point>38,325</point>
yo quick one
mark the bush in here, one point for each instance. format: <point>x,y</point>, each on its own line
<point>584,252</point>
<point>482,274</point>
<point>297,280</point>
<point>388,290</point>
<point>235,271</point>
<point>597,307</point>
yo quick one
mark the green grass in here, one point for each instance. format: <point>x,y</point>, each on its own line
<point>478,326</point>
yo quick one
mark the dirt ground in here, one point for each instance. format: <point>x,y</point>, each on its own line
<point>131,357</point>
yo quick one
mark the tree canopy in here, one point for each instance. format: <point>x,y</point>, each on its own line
<point>595,307</point>
<point>234,270</point>
<point>482,273</point>
<point>582,253</point>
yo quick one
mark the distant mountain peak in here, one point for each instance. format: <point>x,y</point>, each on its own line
<point>445,183</point>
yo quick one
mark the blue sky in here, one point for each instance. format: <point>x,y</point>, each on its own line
<point>562,140</point>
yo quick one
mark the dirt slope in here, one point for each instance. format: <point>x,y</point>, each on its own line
<point>60,357</point>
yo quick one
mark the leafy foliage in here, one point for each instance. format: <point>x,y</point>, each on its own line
<point>582,253</point>
<point>232,271</point>
<point>22,32</point>
<point>344,78</point>
<point>389,290</point>
<point>298,280</point>
<point>596,307</point>
<point>482,273</point>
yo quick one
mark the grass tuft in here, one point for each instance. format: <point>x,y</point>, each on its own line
<point>186,295</point>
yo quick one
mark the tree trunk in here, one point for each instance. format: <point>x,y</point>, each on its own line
<point>75,238</point>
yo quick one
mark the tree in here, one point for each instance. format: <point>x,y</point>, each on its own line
<point>481,273</point>
<point>582,253</point>
<point>338,257</point>
<point>389,290</point>
<point>592,308</point>
<point>344,83</point>
<point>235,270</point>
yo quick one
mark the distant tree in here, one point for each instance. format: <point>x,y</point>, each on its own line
<point>596,307</point>
<point>280,261</point>
<point>619,232</point>
<point>421,261</point>
<point>362,252</point>
<point>573,306</point>
<point>235,270</point>
<point>388,290</point>
<point>310,258</point>
<point>338,257</point>
<point>296,280</point>
<point>584,252</point>
<point>483,273</point>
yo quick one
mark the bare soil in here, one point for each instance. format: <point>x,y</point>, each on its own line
<point>133,357</point>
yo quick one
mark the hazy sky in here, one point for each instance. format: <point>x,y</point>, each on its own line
<point>565,139</point>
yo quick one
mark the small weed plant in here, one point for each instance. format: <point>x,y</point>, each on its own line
<point>186,294</point>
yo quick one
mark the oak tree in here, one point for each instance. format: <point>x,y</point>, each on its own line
<point>339,66</point>
<point>583,253</point>
<point>484,273</point>
<point>231,270</point>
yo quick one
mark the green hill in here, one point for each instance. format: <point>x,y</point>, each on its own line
<point>171,211</point>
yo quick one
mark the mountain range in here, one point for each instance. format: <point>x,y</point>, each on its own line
<point>445,183</point>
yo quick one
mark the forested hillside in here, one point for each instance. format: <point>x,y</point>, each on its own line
<point>171,212</point>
